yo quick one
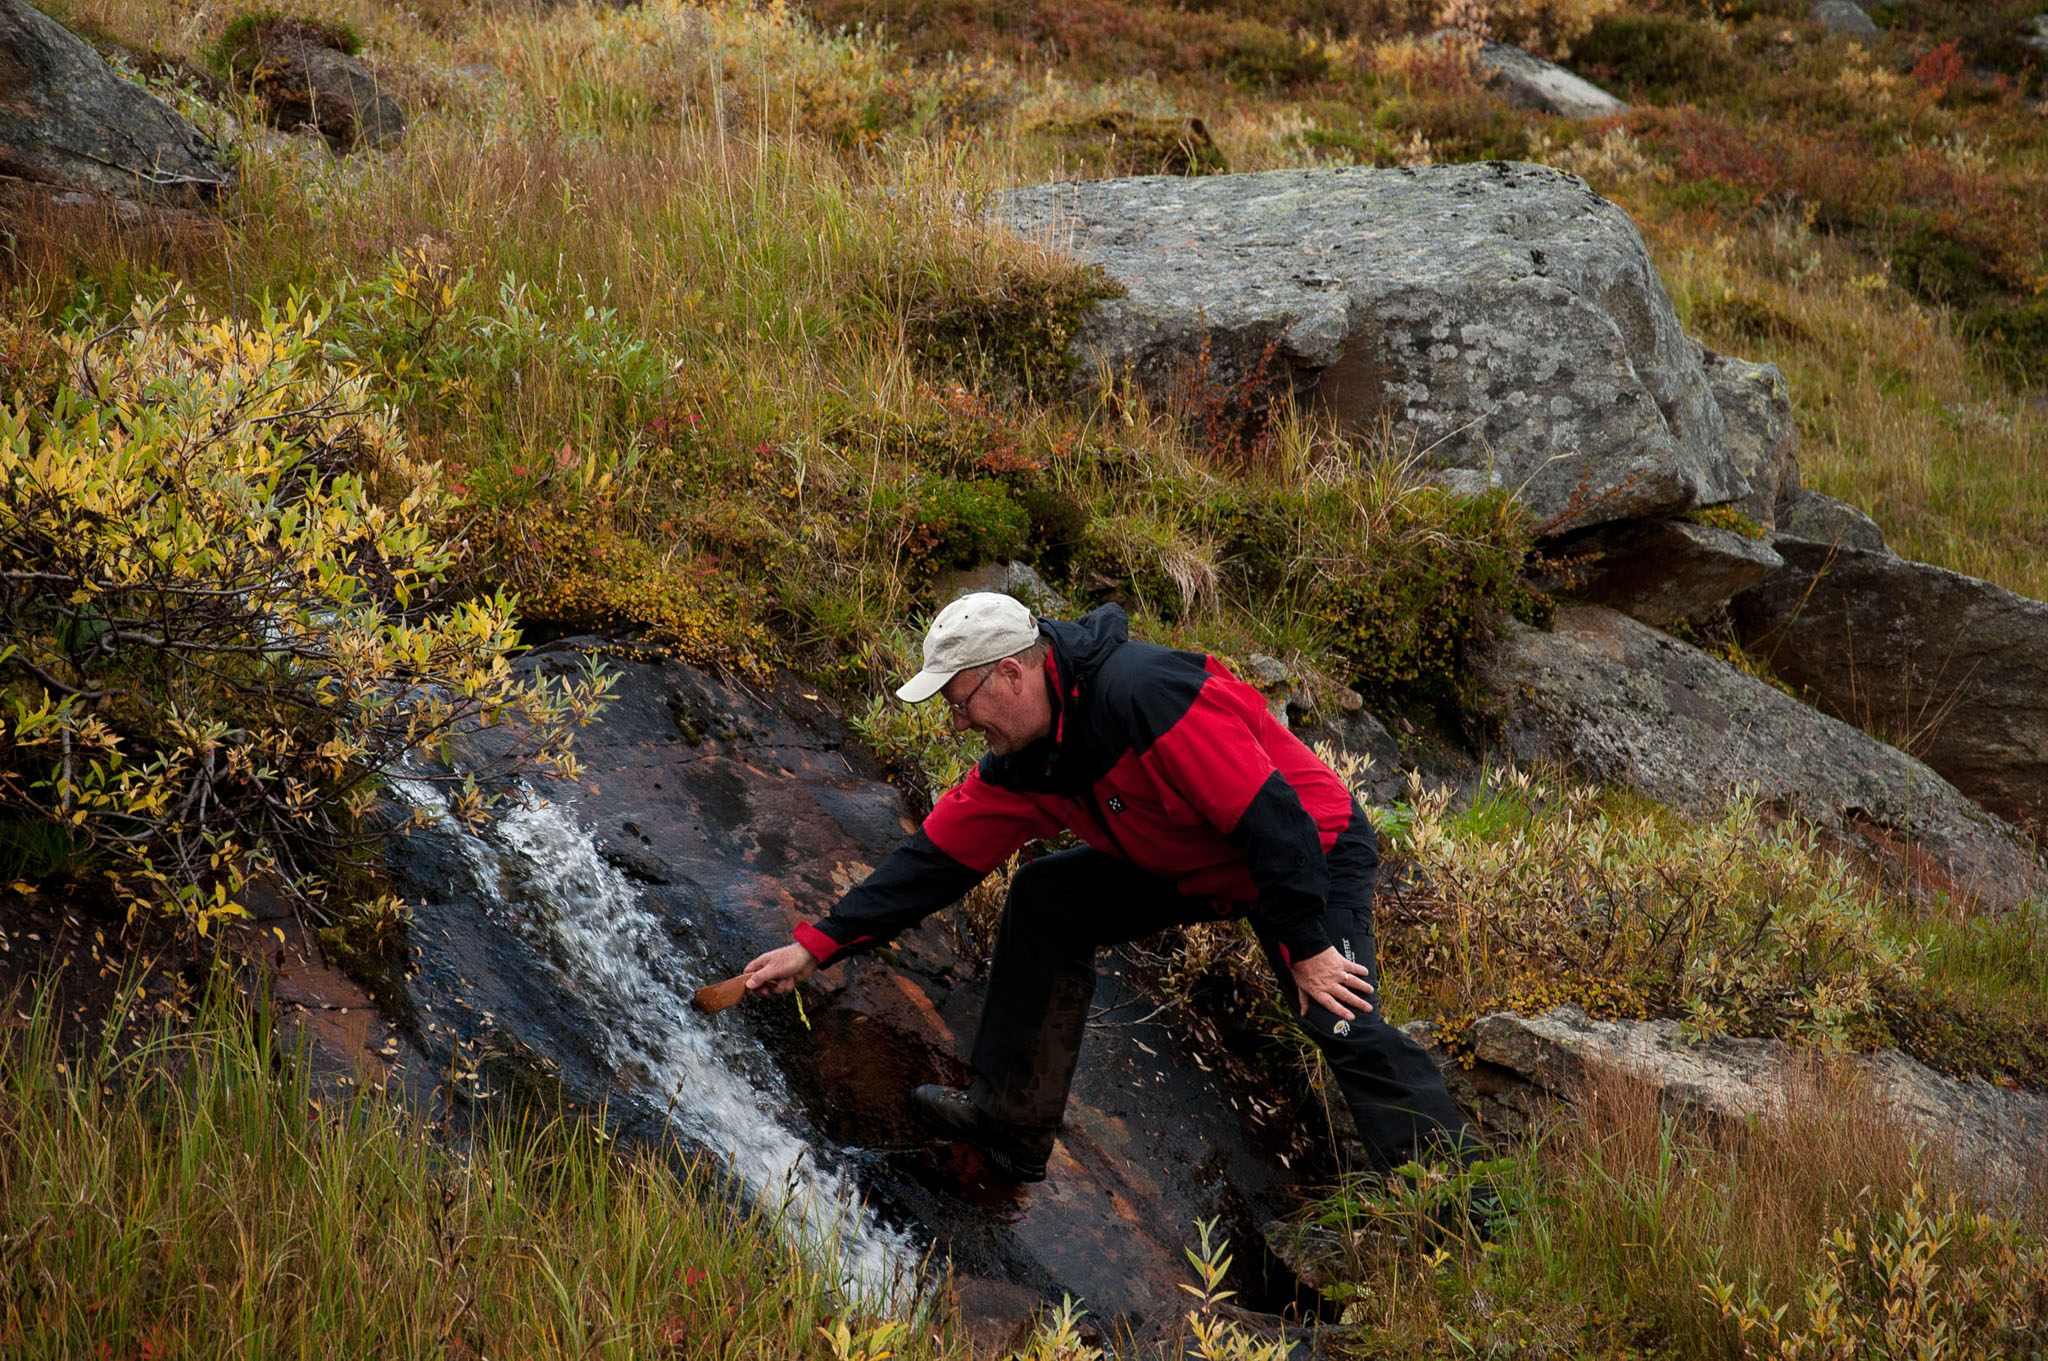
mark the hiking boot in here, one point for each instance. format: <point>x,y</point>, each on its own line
<point>1018,1154</point>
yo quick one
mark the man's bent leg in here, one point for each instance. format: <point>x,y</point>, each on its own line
<point>1061,909</point>
<point>1394,1090</point>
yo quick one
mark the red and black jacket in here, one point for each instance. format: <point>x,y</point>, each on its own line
<point>1157,756</point>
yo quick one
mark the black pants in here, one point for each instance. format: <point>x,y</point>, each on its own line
<point>1064,907</point>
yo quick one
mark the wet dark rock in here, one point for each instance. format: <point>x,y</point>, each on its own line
<point>1989,1132</point>
<point>1503,317</point>
<point>1955,667</point>
<point>1624,704</point>
<point>304,73</point>
<point>998,1317</point>
<point>726,839</point>
<point>1819,518</point>
<point>68,122</point>
<point>1528,81</point>
<point>1662,571</point>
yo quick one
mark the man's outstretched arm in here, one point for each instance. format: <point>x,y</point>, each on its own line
<point>973,829</point>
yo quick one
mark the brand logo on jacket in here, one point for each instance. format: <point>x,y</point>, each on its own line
<point>1116,803</point>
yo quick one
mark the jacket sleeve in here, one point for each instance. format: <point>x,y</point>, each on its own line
<point>1212,757</point>
<point>975,827</point>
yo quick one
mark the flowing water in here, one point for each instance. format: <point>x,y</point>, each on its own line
<point>716,1082</point>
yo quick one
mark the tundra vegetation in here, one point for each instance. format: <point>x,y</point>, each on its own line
<point>678,320</point>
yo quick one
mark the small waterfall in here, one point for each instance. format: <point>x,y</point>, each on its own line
<point>717,1083</point>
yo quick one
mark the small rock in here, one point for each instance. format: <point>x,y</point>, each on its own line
<point>1314,1253</point>
<point>1663,571</point>
<point>1818,518</point>
<point>1354,732</point>
<point>1991,1132</point>
<point>1266,672</point>
<point>1527,80</point>
<point>1762,438</point>
<point>1844,17</point>
<point>1014,579</point>
<point>306,78</point>
<point>2036,35</point>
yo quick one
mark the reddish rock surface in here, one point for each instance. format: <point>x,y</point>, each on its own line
<point>733,815</point>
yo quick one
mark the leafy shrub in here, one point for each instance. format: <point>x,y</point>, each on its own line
<point>1656,56</point>
<point>1405,597</point>
<point>222,612</point>
<point>1724,517</point>
<point>2015,334</point>
<point>438,349</point>
<point>1932,264</point>
<point>1016,326</point>
<point>1733,925</point>
<point>948,523</point>
<point>1931,1277</point>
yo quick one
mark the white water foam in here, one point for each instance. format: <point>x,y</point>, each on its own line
<point>718,1085</point>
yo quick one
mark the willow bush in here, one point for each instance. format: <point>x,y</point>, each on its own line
<point>1542,890</point>
<point>221,611</point>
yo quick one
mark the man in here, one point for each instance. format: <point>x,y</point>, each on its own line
<point>1195,805</point>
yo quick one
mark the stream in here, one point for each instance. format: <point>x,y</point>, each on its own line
<point>715,1083</point>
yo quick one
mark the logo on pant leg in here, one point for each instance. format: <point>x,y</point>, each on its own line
<point>1341,1028</point>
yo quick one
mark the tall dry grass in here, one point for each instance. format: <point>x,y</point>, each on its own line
<point>1636,1229</point>
<point>1896,412</point>
<point>202,1196</point>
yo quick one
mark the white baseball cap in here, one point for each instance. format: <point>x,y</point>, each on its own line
<point>976,629</point>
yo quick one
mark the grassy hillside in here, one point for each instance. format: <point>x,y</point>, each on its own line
<point>678,320</point>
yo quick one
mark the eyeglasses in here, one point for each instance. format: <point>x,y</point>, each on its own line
<point>959,706</point>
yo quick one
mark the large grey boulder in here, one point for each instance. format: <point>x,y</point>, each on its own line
<point>1763,439</point>
<point>1627,705</point>
<point>1504,317</point>
<point>1951,666</point>
<point>1527,80</point>
<point>69,122</point>
<point>1662,571</point>
<point>1994,1134</point>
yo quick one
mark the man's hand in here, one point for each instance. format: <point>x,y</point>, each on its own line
<point>780,970</point>
<point>1333,981</point>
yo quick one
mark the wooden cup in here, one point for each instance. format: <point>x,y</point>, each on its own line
<point>718,996</point>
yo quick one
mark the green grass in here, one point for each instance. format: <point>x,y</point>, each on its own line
<point>202,1196</point>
